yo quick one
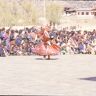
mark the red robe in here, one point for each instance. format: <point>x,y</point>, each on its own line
<point>45,47</point>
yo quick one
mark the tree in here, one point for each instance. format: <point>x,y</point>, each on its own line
<point>29,11</point>
<point>17,12</point>
<point>54,12</point>
<point>9,13</point>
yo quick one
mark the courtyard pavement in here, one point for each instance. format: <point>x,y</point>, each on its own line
<point>67,75</point>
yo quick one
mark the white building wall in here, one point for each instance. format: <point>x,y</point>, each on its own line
<point>89,15</point>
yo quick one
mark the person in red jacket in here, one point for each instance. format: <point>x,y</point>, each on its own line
<point>47,45</point>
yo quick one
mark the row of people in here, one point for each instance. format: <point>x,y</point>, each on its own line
<point>46,41</point>
<point>29,41</point>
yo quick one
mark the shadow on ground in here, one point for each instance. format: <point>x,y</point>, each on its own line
<point>46,59</point>
<point>89,78</point>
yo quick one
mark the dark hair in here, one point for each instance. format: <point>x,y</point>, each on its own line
<point>12,31</point>
<point>3,29</point>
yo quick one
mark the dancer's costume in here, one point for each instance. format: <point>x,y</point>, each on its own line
<point>45,47</point>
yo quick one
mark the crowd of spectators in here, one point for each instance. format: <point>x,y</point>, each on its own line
<point>21,41</point>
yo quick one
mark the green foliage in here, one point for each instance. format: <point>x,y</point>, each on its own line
<point>25,12</point>
<point>30,12</point>
<point>53,12</point>
<point>15,12</point>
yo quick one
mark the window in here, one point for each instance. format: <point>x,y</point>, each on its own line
<point>82,13</point>
<point>78,13</point>
<point>95,13</point>
<point>87,13</point>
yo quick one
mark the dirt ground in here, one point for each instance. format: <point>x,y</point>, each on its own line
<point>67,75</point>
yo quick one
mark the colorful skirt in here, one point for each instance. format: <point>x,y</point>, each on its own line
<point>42,49</point>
